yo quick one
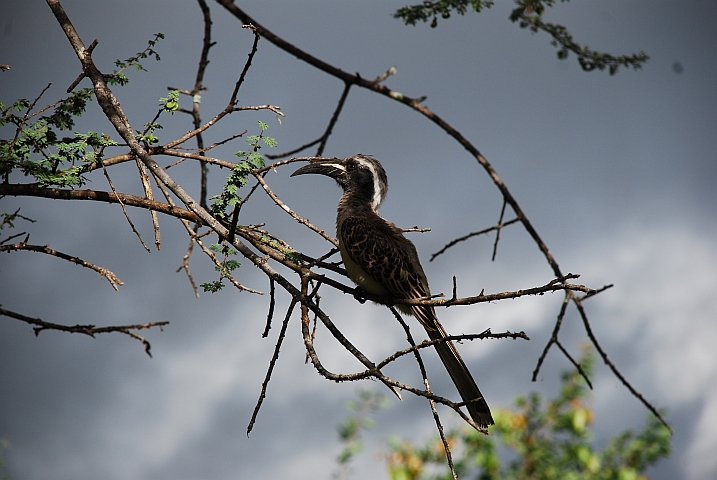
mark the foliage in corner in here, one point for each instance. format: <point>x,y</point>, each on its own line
<point>551,441</point>
<point>4,443</point>
<point>528,14</point>
<point>35,148</point>
<point>411,14</point>
<point>350,431</point>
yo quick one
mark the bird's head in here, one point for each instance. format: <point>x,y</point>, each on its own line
<point>362,177</point>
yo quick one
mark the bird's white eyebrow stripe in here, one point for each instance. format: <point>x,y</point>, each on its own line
<point>377,194</point>
<point>336,165</point>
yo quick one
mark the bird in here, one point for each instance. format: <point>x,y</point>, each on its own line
<point>380,260</point>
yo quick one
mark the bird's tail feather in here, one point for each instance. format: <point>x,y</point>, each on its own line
<point>467,388</point>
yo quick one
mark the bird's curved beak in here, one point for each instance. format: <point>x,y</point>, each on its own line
<point>330,168</point>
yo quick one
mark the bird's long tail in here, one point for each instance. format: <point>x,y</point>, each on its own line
<point>467,388</point>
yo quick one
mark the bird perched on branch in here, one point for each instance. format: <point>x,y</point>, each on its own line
<point>381,261</point>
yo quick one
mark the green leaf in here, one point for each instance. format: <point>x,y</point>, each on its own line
<point>212,287</point>
<point>170,103</point>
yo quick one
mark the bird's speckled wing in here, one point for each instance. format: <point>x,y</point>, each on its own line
<point>383,253</point>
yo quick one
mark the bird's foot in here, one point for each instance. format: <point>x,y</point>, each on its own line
<point>359,295</point>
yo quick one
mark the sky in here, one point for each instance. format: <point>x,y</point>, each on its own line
<point>617,173</point>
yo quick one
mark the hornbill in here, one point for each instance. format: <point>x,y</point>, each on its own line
<point>382,261</point>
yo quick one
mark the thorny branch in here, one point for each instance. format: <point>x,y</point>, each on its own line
<point>90,330</point>
<point>111,277</point>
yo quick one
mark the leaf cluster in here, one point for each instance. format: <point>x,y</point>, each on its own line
<point>350,431</point>
<point>225,268</point>
<point>548,441</point>
<point>4,443</point>
<point>528,14</point>
<point>248,161</point>
<point>118,77</point>
<point>411,14</point>
<point>36,148</point>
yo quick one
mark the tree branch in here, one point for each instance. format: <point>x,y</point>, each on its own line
<point>111,277</point>
<point>26,190</point>
<point>90,330</point>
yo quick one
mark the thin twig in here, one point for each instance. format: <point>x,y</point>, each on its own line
<point>150,196</point>
<point>554,336</point>
<point>612,367</point>
<point>272,304</point>
<point>334,119</point>
<point>292,213</point>
<point>577,366</point>
<point>222,142</point>
<point>552,286</point>
<point>472,234</point>
<point>499,227</point>
<point>487,334</point>
<point>272,363</point>
<point>244,71</point>
<point>111,277</point>
<point>431,402</point>
<point>185,266</point>
<point>124,209</point>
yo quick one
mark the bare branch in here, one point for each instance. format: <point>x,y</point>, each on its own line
<point>148,193</point>
<point>185,266</point>
<point>90,330</point>
<point>552,286</point>
<point>554,336</point>
<point>473,234</point>
<point>293,214</point>
<point>272,363</point>
<point>97,195</point>
<point>111,277</point>
<point>124,209</point>
<point>272,304</point>
<point>498,228</point>
<point>334,119</point>
<point>429,343</point>
<point>612,367</point>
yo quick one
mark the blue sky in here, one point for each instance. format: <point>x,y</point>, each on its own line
<point>618,174</point>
